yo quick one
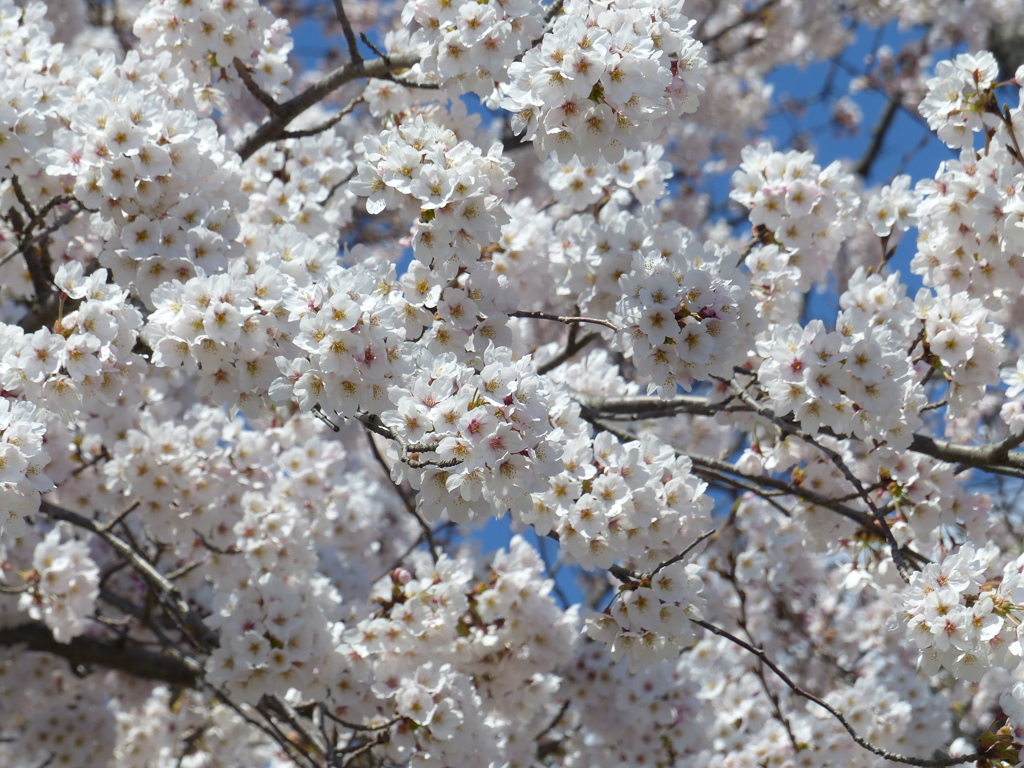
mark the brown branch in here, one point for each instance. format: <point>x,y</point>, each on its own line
<point>86,651</point>
<point>169,594</point>
<point>998,458</point>
<point>326,125</point>
<point>863,166</point>
<point>350,35</point>
<point>651,407</point>
<point>280,116</point>
<point>253,87</point>
<point>722,471</point>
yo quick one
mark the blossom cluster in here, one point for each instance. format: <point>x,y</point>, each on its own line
<point>476,443</point>
<point>962,619</point>
<point>607,77</point>
<point>23,461</point>
<point>970,226</point>
<point>968,346</point>
<point>451,186</point>
<point>651,623</point>
<point>685,318</point>
<point>87,361</point>
<point>469,45</point>
<point>470,312</point>
<point>224,327</point>
<point>303,187</point>
<point>802,207</point>
<point>856,377</point>
<point>157,176</point>
<point>642,173</point>
<point>960,101</point>
<point>433,645</point>
<point>65,586</point>
<point>353,341</point>
<point>892,210</point>
<point>205,39</point>
<point>278,630</point>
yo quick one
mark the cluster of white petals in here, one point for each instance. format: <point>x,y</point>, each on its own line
<point>23,461</point>
<point>686,318</point>
<point>805,209</point>
<point>206,39</point>
<point>959,96</point>
<point>338,427</point>
<point>609,76</point>
<point>963,617</point>
<point>469,45</point>
<point>64,596</point>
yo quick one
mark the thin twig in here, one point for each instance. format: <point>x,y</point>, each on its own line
<point>560,319</point>
<point>573,346</point>
<point>676,558</point>
<point>350,35</point>
<point>168,593</point>
<point>874,749</point>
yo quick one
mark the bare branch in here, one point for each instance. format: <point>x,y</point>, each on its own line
<point>350,35</point>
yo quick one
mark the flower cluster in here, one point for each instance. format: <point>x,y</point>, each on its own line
<point>608,77</point>
<point>22,461</point>
<point>964,341</point>
<point>157,175</point>
<point>226,327</point>
<point>687,317</point>
<point>961,619</point>
<point>476,443</point>
<point>802,207</point>
<point>892,210</point>
<point>960,101</point>
<point>303,187</point>
<point>642,173</point>
<point>175,468</point>
<point>971,225</point>
<point>455,190</point>
<point>353,341</point>
<point>87,361</point>
<point>432,647</point>
<point>932,503</point>
<point>464,316</point>
<point>469,45</point>
<point>651,623</point>
<point>644,716</point>
<point>151,727</point>
<point>66,584</point>
<point>276,630</point>
<point>855,378</point>
<point>60,718</point>
<point>206,37</point>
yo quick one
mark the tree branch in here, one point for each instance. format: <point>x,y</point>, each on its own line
<point>168,593</point>
<point>86,651</point>
<point>276,126</point>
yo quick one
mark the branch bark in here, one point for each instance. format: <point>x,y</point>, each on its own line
<point>282,114</point>
<point>87,651</point>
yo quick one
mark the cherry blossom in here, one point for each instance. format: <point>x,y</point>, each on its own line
<point>291,335</point>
